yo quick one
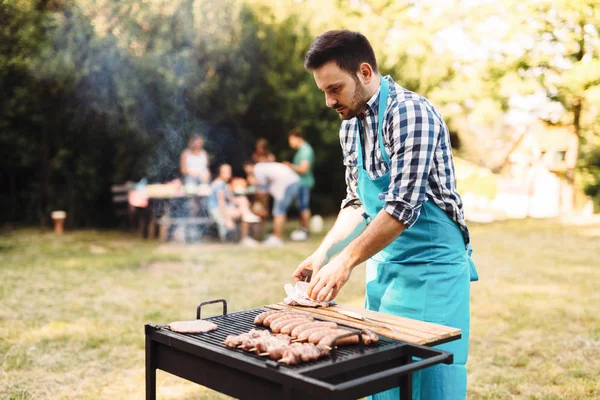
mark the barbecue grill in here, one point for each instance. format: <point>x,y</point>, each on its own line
<point>349,372</point>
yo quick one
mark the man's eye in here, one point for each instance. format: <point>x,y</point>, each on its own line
<point>335,89</point>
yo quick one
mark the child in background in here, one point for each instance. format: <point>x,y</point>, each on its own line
<point>226,209</point>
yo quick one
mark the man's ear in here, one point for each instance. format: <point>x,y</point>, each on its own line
<point>365,71</point>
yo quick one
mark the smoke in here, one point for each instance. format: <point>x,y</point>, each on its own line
<point>148,92</point>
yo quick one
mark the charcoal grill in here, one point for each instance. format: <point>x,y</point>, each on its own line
<point>350,372</point>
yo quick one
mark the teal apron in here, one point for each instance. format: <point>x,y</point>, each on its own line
<point>424,274</point>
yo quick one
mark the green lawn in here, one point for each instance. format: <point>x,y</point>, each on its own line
<point>73,308</point>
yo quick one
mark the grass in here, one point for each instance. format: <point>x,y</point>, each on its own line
<point>72,308</point>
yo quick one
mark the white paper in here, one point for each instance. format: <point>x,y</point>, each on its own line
<point>297,296</point>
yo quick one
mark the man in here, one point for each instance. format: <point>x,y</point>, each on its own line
<point>400,175</point>
<point>282,184</point>
<point>225,209</point>
<point>302,165</point>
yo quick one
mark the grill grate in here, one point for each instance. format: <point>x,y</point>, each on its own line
<point>242,321</point>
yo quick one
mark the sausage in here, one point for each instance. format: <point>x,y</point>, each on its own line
<point>258,320</point>
<point>267,321</point>
<point>277,324</point>
<point>315,338</point>
<point>276,317</point>
<point>317,324</point>
<point>287,329</point>
<point>304,335</point>
<point>328,340</point>
<point>371,337</point>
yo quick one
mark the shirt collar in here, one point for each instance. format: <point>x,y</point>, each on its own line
<point>373,103</point>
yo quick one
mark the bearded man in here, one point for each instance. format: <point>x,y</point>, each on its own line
<point>402,212</point>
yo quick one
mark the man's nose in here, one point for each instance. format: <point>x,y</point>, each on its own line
<point>330,101</point>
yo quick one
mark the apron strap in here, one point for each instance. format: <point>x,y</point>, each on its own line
<point>383,97</point>
<point>384,90</point>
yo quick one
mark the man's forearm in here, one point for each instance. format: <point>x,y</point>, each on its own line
<point>381,232</point>
<point>348,225</point>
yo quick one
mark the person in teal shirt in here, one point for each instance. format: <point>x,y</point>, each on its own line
<point>302,165</point>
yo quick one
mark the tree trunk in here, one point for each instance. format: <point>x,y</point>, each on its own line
<point>45,179</point>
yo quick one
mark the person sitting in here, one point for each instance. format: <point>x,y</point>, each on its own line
<point>262,153</point>
<point>226,209</point>
<point>282,183</point>
<point>194,163</point>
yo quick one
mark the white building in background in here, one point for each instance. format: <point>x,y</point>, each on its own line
<point>535,179</point>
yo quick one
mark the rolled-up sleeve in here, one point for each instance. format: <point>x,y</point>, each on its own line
<point>413,131</point>
<point>348,143</point>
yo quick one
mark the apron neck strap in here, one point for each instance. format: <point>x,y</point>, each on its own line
<point>384,90</point>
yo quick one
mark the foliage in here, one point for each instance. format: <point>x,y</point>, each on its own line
<point>96,93</point>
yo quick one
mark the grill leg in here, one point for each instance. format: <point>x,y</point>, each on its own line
<point>406,383</point>
<point>406,387</point>
<point>150,370</point>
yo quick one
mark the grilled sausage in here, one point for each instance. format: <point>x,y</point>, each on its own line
<point>316,337</point>
<point>267,321</point>
<point>258,320</point>
<point>305,334</point>
<point>368,337</point>
<point>287,329</point>
<point>278,317</point>
<point>277,324</point>
<point>283,317</point>
<point>317,324</point>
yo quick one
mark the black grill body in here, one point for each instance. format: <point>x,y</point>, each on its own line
<point>352,372</point>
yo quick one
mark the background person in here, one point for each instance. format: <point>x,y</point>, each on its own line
<point>194,162</point>
<point>226,209</point>
<point>262,152</point>
<point>282,183</point>
<point>302,164</point>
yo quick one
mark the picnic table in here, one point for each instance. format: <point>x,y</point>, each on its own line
<point>172,205</point>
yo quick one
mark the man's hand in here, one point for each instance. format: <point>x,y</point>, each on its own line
<point>287,163</point>
<point>310,266</point>
<point>229,224</point>
<point>327,282</point>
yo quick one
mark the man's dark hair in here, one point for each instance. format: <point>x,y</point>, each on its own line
<point>296,133</point>
<point>348,49</point>
<point>248,162</point>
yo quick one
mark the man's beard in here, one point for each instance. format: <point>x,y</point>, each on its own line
<point>357,105</point>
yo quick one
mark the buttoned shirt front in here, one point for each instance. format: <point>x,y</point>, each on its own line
<point>417,142</point>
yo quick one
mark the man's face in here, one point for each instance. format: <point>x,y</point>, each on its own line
<point>293,142</point>
<point>343,92</point>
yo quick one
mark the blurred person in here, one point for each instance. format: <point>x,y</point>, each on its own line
<point>262,153</point>
<point>302,164</point>
<point>194,162</point>
<point>226,209</point>
<point>282,183</point>
<point>402,212</point>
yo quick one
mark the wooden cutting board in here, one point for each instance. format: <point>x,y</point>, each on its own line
<point>409,330</point>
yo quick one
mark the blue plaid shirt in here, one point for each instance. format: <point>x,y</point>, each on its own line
<point>418,144</point>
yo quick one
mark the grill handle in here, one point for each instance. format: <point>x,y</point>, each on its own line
<point>345,335</point>
<point>199,309</point>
